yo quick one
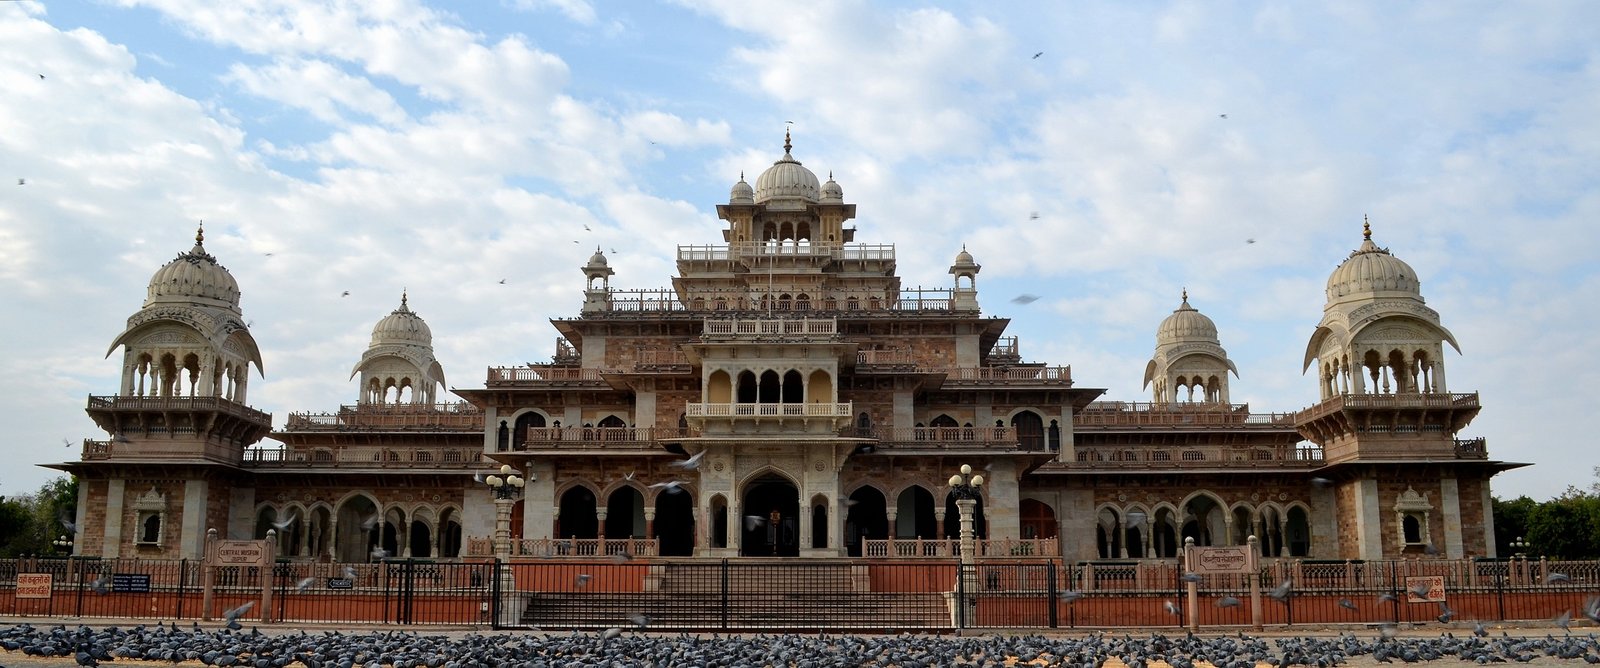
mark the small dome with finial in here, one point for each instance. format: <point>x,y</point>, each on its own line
<point>831,192</point>
<point>402,326</point>
<point>787,179</point>
<point>742,193</point>
<point>1372,271</point>
<point>1186,324</point>
<point>194,277</point>
<point>597,260</point>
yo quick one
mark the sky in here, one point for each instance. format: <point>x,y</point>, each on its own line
<point>1103,156</point>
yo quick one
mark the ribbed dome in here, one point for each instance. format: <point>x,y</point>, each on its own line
<point>402,326</point>
<point>1186,324</point>
<point>831,192</point>
<point>598,259</point>
<point>194,276</point>
<point>1371,270</point>
<point>741,193</point>
<point>787,178</point>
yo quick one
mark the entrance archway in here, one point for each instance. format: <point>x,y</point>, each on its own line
<point>774,503</point>
<point>675,523</point>
<point>868,519</point>
<point>578,518</point>
<point>358,529</point>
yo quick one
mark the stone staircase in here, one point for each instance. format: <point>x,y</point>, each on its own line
<point>760,594</point>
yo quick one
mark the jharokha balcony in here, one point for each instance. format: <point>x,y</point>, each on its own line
<point>632,440</point>
<point>354,457</point>
<point>1117,415</point>
<point>1303,456</point>
<point>391,417</point>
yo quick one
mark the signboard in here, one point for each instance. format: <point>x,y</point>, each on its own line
<point>1223,560</point>
<point>340,583</point>
<point>34,585</point>
<point>137,583</point>
<point>240,552</point>
<point>1425,589</point>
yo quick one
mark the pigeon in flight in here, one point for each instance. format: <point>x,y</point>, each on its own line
<point>345,294</point>
<point>1024,299</point>
<point>691,463</point>
<point>1281,592</point>
<point>1222,115</point>
<point>502,281</point>
<point>284,525</point>
<point>233,615</point>
<point>1036,55</point>
<point>1228,602</point>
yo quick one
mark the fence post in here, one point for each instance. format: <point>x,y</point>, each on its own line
<point>961,595</point>
<point>1394,592</point>
<point>79,606</point>
<point>183,577</point>
<point>1500,588</point>
<point>494,596</point>
<point>724,579</point>
<point>1051,594</point>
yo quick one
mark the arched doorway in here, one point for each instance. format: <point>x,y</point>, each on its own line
<point>675,522</point>
<point>868,519</point>
<point>914,514</point>
<point>1299,528</point>
<point>625,514</point>
<point>1038,519</point>
<point>1203,521</point>
<point>358,529</point>
<point>1030,430</point>
<point>577,514</point>
<point>774,503</point>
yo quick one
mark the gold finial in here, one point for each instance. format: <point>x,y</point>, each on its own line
<point>1186,294</point>
<point>402,298</point>
<point>787,146</point>
<point>200,233</point>
<point>1366,228</point>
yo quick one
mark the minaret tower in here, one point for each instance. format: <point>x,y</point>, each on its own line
<point>1189,364</point>
<point>965,271</point>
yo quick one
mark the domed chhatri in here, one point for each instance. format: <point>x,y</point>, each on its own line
<point>1186,324</point>
<point>194,276</point>
<point>787,179</point>
<point>1372,271</point>
<point>831,192</point>
<point>402,326</point>
<point>741,193</point>
<point>598,259</point>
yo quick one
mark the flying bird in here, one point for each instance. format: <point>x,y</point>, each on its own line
<point>304,585</point>
<point>1346,604</point>
<point>1036,55</point>
<point>41,77</point>
<point>1228,602</point>
<point>1222,115</point>
<point>345,294</point>
<point>753,522</point>
<point>22,182</point>
<point>66,443</point>
<point>691,463</point>
<point>379,553</point>
<point>1281,592</point>
<point>582,580</point>
<point>640,620</point>
<point>233,615</point>
<point>629,475</point>
<point>284,525</point>
<point>1191,576</point>
<point>502,281</point>
<point>1171,608</point>
<point>1554,577</point>
<point>350,573</point>
<point>101,584</point>
<point>1070,596</point>
<point>1250,240</point>
<point>1479,630</point>
<point>1024,299</point>
<point>369,523</point>
<point>1564,620</point>
<point>1321,482</point>
<point>1033,216</point>
<point>586,225</point>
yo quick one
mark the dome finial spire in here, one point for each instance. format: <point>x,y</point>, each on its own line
<point>787,145</point>
<point>200,233</point>
<point>1366,228</point>
<point>1186,296</point>
<point>402,298</point>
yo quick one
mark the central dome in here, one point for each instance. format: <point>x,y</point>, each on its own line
<point>1371,271</point>
<point>787,178</point>
<point>1186,324</point>
<point>402,326</point>
<point>194,276</point>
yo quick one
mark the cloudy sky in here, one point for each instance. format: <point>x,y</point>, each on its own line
<point>361,146</point>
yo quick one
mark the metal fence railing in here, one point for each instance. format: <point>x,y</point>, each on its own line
<point>798,595</point>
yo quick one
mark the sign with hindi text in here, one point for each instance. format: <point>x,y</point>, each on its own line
<point>1221,560</point>
<point>34,585</point>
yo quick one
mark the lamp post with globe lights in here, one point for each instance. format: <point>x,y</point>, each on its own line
<point>967,489</point>
<point>505,487</point>
<point>63,544</point>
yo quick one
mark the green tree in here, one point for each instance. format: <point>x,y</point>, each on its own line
<point>1566,527</point>
<point>1511,522</point>
<point>28,523</point>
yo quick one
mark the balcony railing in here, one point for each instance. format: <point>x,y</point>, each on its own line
<point>645,359</point>
<point>770,410</point>
<point>852,302</point>
<point>1147,457</point>
<point>542,374</point>
<point>1472,448</point>
<point>1144,414</point>
<point>178,404</point>
<point>950,548</point>
<point>555,548</point>
<point>600,438</point>
<point>770,327</point>
<point>1050,375</point>
<point>710,253</point>
<point>939,438</point>
<point>389,417</point>
<point>364,456</point>
<point>157,449</point>
<point>1435,400</point>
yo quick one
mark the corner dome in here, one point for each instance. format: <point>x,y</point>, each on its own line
<point>1186,324</point>
<point>1370,271</point>
<point>194,276</point>
<point>741,193</point>
<point>402,326</point>
<point>787,178</point>
<point>831,192</point>
<point>597,260</point>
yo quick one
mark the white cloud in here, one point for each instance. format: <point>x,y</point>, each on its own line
<point>578,11</point>
<point>319,88</point>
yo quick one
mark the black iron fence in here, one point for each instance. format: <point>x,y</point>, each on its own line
<point>837,594</point>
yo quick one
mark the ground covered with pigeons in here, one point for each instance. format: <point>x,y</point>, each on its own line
<point>27,646</point>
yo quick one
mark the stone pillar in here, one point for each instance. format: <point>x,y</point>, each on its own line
<point>116,489</point>
<point>1369,520</point>
<point>600,520</point>
<point>650,523</point>
<point>1450,508</point>
<point>1283,535</point>
<point>502,528</point>
<point>192,527</point>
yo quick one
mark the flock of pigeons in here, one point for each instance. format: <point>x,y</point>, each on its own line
<point>614,647</point>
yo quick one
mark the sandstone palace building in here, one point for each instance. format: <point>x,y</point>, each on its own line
<point>786,397</point>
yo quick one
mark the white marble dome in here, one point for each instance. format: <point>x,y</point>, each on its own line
<point>402,326</point>
<point>1186,324</point>
<point>1371,271</point>
<point>831,192</point>
<point>741,193</point>
<point>194,276</point>
<point>787,178</point>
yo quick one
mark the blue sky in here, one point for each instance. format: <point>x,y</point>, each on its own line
<point>371,147</point>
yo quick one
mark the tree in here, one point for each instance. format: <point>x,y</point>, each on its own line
<point>1511,522</point>
<point>29,523</point>
<point>1566,527</point>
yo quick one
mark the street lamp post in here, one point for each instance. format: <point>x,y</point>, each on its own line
<point>1519,548</point>
<point>966,487</point>
<point>63,544</point>
<point>505,487</point>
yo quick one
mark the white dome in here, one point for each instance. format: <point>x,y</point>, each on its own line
<point>741,193</point>
<point>194,276</point>
<point>787,178</point>
<point>831,192</point>
<point>597,260</point>
<point>1186,324</point>
<point>1370,271</point>
<point>402,326</point>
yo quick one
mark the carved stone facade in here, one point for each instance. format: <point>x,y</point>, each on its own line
<point>787,397</point>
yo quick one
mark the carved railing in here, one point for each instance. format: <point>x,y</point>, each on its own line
<point>950,548</point>
<point>650,358</point>
<point>1339,402</point>
<point>1144,414</point>
<point>1472,448</point>
<point>826,410</point>
<point>769,327</point>
<point>600,438</point>
<point>1199,456</point>
<point>899,358</point>
<point>541,374</point>
<point>712,253</point>
<point>557,548</point>
<point>939,438</point>
<point>1050,375</point>
<point>853,302</point>
<point>407,417</point>
<point>178,404</point>
<point>364,456</point>
<point>160,448</point>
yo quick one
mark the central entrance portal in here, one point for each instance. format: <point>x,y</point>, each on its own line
<point>771,523</point>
